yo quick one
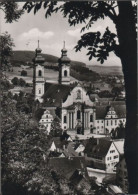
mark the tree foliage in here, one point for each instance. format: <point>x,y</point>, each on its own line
<point>11,11</point>
<point>24,154</point>
<point>99,46</point>
<point>6,46</point>
<point>23,73</point>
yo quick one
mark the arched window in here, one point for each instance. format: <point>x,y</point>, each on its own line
<point>65,73</point>
<point>78,94</point>
<point>39,73</point>
<point>65,119</point>
<point>111,122</point>
<point>91,118</point>
<point>78,114</point>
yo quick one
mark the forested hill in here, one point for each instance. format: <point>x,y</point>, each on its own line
<point>107,70</point>
<point>22,57</point>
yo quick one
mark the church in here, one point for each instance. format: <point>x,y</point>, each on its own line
<point>72,104</point>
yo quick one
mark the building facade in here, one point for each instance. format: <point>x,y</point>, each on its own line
<point>38,75</point>
<point>45,121</point>
<point>77,109</point>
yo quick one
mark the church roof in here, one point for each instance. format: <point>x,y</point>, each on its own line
<point>64,57</point>
<point>101,110</point>
<point>72,107</point>
<point>55,94</point>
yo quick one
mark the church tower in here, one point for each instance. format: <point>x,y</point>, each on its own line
<point>64,68</point>
<point>38,75</point>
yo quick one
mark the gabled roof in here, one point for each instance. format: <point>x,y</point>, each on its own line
<point>119,144</point>
<point>55,94</point>
<point>97,147</point>
<point>59,143</point>
<point>101,110</point>
<point>67,166</point>
<point>69,151</point>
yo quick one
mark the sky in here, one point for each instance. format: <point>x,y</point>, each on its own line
<point>52,32</point>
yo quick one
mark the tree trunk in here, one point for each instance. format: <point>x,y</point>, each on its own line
<point>128,54</point>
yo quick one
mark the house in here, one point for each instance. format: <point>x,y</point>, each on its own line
<point>102,154</point>
<point>58,145</point>
<point>112,190</point>
<point>108,117</point>
<point>69,150</point>
<point>79,148</point>
<point>67,166</point>
<point>46,120</point>
<point>121,175</point>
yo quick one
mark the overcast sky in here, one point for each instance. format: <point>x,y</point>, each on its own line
<point>52,32</point>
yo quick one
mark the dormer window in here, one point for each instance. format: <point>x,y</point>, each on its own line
<point>78,94</point>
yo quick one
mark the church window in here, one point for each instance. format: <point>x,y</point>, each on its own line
<point>111,122</point>
<point>107,123</point>
<point>39,91</point>
<point>91,118</point>
<point>78,94</point>
<point>46,116</point>
<point>115,122</point>
<point>65,73</point>
<point>78,114</point>
<point>65,119</point>
<point>39,73</point>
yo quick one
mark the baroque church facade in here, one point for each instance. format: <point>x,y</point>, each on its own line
<point>77,111</point>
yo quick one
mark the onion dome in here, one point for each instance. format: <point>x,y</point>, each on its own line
<point>38,56</point>
<point>64,58</point>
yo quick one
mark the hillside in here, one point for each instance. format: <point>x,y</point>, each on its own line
<point>107,70</point>
<point>21,57</point>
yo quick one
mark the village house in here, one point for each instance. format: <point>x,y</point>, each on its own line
<point>101,154</point>
<point>46,120</point>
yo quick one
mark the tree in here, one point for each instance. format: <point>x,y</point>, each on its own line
<point>56,129</point>
<point>123,15</point>
<point>119,132</point>
<point>6,45</point>
<point>22,82</point>
<point>11,10</point>
<point>24,154</point>
<point>15,81</point>
<point>116,90</point>
<point>23,73</point>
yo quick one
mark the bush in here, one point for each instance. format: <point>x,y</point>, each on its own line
<point>22,82</point>
<point>15,81</point>
<point>23,73</point>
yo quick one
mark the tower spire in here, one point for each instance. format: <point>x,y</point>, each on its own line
<point>64,44</point>
<point>38,43</point>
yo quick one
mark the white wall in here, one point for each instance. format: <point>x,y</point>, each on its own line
<point>110,159</point>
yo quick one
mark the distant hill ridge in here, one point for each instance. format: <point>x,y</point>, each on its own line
<point>27,56</point>
<point>107,70</point>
